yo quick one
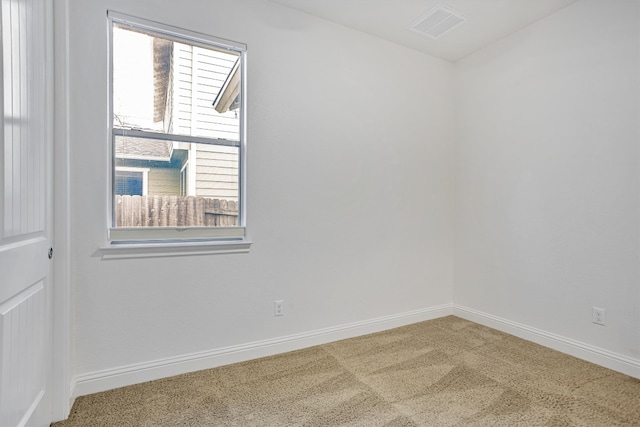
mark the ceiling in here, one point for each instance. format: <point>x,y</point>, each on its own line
<point>487,20</point>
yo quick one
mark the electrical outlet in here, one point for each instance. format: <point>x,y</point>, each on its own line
<point>599,316</point>
<point>278,308</point>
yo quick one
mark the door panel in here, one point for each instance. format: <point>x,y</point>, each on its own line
<point>24,116</point>
<point>25,216</point>
<point>23,360</point>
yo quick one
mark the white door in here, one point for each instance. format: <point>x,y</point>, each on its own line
<point>25,216</point>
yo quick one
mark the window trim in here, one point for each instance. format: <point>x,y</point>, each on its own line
<point>137,133</point>
<point>151,249</point>
<point>122,242</point>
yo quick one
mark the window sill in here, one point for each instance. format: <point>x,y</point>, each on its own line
<point>173,249</point>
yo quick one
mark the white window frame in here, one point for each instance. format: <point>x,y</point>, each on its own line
<point>128,242</point>
<point>184,179</point>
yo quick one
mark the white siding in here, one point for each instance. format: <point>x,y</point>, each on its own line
<point>217,172</point>
<point>198,76</point>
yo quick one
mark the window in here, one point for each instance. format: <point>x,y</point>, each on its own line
<point>177,114</point>
<point>131,182</point>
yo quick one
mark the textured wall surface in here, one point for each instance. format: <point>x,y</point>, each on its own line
<point>368,163</point>
<point>547,176</point>
<point>349,163</point>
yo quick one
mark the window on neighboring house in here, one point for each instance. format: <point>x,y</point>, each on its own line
<point>177,135</point>
<point>130,182</point>
<point>184,180</point>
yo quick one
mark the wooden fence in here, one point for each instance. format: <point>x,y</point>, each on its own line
<point>174,211</point>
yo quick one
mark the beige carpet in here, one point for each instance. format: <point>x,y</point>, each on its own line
<point>444,372</point>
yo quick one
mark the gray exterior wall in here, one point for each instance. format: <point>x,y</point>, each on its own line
<point>217,172</point>
<point>164,181</point>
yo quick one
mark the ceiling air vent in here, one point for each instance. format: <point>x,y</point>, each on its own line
<point>438,22</point>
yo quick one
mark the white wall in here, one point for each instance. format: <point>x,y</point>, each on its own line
<point>349,198</point>
<point>547,177</point>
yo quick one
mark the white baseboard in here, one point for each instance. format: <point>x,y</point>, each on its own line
<point>599,356</point>
<point>137,373</point>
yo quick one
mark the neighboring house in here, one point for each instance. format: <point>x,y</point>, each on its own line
<point>195,93</point>
<point>145,167</point>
